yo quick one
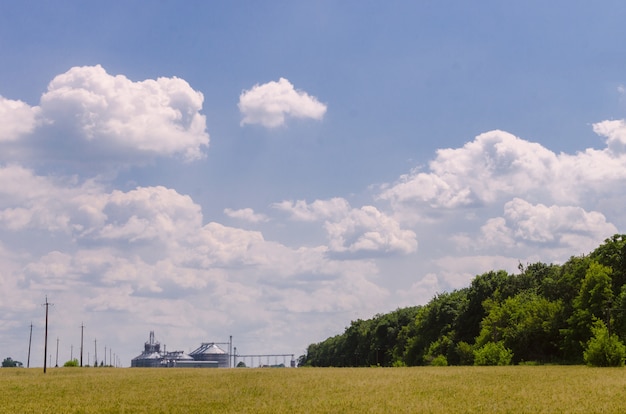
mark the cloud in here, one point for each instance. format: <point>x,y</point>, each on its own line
<point>300,210</point>
<point>16,119</point>
<point>157,116</point>
<point>269,104</point>
<point>246,214</point>
<point>526,225</point>
<point>421,291</point>
<point>145,256</point>
<point>28,201</point>
<point>497,166</point>
<point>149,213</point>
<point>496,163</point>
<point>369,230</point>
<point>365,230</point>
<point>85,210</point>
<point>615,133</point>
<point>456,272</point>
<point>90,117</point>
<point>499,200</point>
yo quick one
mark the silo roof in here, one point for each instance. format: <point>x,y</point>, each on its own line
<point>153,355</point>
<point>207,348</point>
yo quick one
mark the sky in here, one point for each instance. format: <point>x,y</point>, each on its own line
<point>272,171</point>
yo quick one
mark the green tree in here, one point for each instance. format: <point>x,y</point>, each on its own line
<point>465,353</point>
<point>593,299</point>
<point>527,323</point>
<point>439,361</point>
<point>482,287</point>
<point>493,353</point>
<point>612,253</point>
<point>545,313</point>
<point>10,363</point>
<point>434,321</point>
<point>616,317</point>
<point>566,282</point>
<point>440,348</point>
<point>604,350</point>
<point>71,363</point>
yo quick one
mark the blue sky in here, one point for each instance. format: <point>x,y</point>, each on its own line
<point>273,170</point>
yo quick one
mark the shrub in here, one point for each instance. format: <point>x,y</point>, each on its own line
<point>493,353</point>
<point>439,361</point>
<point>71,363</point>
<point>603,350</point>
<point>465,353</point>
<point>11,363</point>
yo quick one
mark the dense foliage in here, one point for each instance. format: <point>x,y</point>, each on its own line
<point>543,314</point>
<point>71,363</point>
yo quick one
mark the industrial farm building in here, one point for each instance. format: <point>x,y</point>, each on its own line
<point>208,355</point>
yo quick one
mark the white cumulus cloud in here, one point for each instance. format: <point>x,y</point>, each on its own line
<point>246,214</point>
<point>369,230</point>
<point>333,208</point>
<point>495,163</point>
<point>157,116</point>
<point>271,103</point>
<point>497,166</point>
<point>615,133</point>
<point>91,120</point>
<point>353,230</point>
<point>17,118</point>
<point>569,227</point>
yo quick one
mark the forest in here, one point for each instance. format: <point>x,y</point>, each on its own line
<point>571,313</point>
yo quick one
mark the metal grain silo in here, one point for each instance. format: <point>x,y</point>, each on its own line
<point>151,356</point>
<point>210,351</point>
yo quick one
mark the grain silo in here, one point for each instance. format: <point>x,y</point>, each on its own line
<point>151,356</point>
<point>210,351</point>
<point>176,358</point>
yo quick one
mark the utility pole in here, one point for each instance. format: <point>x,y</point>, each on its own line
<point>95,354</point>
<point>45,347</point>
<point>30,340</point>
<point>82,327</point>
<point>56,365</point>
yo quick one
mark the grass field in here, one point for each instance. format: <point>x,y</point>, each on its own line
<point>513,389</point>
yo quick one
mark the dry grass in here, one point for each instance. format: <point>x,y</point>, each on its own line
<point>516,389</point>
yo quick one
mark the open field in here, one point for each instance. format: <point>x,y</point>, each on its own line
<point>513,389</point>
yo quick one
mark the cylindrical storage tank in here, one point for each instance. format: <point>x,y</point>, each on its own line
<point>151,356</point>
<point>211,352</point>
<point>172,359</point>
<point>147,360</point>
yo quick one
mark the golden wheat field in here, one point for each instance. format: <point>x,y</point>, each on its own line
<point>512,389</point>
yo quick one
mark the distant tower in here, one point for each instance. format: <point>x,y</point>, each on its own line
<point>152,346</point>
<point>151,355</point>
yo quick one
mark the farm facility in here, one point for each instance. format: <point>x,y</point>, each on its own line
<point>207,355</point>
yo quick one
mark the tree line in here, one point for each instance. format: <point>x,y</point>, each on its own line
<point>564,314</point>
